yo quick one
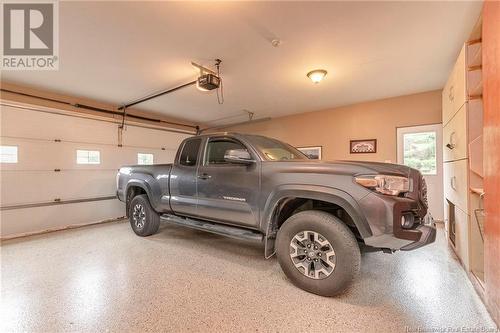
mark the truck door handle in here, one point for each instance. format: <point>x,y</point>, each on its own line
<point>204,176</point>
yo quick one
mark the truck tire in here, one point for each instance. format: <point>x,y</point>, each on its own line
<point>318,252</point>
<point>143,219</point>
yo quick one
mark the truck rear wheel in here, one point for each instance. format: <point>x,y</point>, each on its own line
<point>143,219</point>
<point>318,252</point>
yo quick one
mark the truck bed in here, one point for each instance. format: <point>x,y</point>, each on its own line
<point>156,175</point>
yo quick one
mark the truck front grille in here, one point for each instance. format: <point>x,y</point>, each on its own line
<point>418,192</point>
<point>423,192</point>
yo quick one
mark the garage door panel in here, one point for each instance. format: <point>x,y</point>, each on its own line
<point>49,126</point>
<point>19,221</point>
<point>164,156</point>
<point>42,186</point>
<point>47,155</point>
<point>136,136</point>
<point>128,155</point>
<point>34,179</point>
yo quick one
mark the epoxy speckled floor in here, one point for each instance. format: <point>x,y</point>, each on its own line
<point>104,278</point>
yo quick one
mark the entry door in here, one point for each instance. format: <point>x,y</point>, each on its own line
<point>420,147</point>
<point>228,192</point>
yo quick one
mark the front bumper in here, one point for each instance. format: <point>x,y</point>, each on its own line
<point>383,214</point>
<point>428,235</point>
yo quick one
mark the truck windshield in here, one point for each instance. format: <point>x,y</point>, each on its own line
<point>274,150</point>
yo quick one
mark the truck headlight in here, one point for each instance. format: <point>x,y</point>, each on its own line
<point>385,184</point>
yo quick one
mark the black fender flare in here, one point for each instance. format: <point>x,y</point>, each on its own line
<point>313,192</point>
<point>148,186</point>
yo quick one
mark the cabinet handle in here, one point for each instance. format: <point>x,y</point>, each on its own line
<point>453,182</point>
<point>451,144</point>
<point>451,94</point>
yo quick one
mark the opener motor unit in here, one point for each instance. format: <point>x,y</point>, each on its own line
<point>208,82</point>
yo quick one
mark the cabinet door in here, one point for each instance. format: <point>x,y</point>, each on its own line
<point>447,100</point>
<point>462,236</point>
<point>455,136</point>
<point>454,92</point>
<point>455,183</point>
<point>446,218</point>
<point>459,86</point>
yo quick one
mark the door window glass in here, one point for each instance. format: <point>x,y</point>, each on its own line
<point>217,149</point>
<point>189,153</point>
<point>145,159</point>
<point>88,156</point>
<point>8,154</point>
<point>419,152</point>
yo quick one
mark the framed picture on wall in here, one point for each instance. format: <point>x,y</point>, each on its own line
<point>363,146</point>
<point>314,153</point>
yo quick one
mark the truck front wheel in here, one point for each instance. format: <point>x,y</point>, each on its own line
<point>318,252</point>
<point>143,219</point>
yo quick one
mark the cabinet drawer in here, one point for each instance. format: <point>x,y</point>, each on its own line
<point>455,136</point>
<point>456,184</point>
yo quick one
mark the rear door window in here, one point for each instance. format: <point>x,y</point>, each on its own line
<point>189,154</point>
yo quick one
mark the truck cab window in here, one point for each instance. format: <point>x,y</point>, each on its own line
<point>217,148</point>
<point>189,154</point>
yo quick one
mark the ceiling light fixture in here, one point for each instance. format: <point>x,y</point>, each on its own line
<point>317,75</point>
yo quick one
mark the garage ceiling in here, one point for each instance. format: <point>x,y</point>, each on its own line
<point>116,52</point>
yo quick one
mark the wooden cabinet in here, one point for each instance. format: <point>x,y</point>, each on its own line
<point>455,136</point>
<point>454,92</point>
<point>455,183</point>
<point>447,100</point>
<point>462,236</point>
<point>475,82</point>
<point>457,229</point>
<point>459,86</point>
<point>463,154</point>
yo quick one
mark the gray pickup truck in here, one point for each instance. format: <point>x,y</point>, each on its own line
<point>313,214</point>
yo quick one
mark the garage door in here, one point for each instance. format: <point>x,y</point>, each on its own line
<point>60,170</point>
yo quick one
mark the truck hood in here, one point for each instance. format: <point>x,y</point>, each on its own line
<point>345,167</point>
<point>378,167</point>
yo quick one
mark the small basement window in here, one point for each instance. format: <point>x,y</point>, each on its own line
<point>145,159</point>
<point>8,154</point>
<point>88,157</point>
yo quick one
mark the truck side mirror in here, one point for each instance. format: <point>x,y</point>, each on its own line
<point>239,156</point>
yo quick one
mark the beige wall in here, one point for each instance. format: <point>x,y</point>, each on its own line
<point>333,129</point>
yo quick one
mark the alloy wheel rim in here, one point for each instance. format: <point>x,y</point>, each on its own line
<point>312,254</point>
<point>139,216</point>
